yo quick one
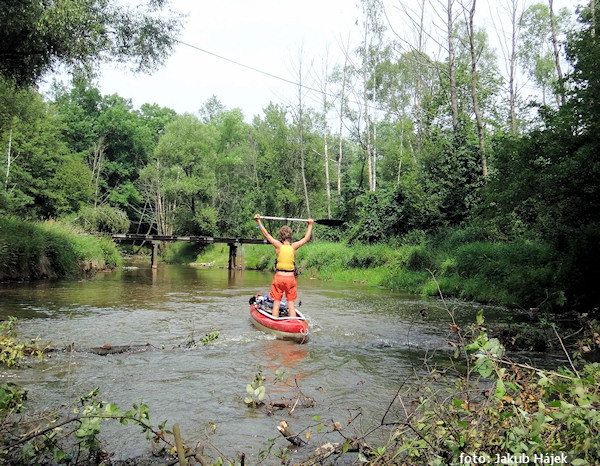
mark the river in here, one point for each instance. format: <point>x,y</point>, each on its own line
<point>364,343</point>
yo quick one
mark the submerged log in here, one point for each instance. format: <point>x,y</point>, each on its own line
<point>109,349</point>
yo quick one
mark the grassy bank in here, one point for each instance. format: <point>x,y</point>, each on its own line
<point>465,265</point>
<point>30,251</point>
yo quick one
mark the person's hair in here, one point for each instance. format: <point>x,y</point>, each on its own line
<point>285,233</point>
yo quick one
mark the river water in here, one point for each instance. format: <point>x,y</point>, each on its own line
<point>364,343</point>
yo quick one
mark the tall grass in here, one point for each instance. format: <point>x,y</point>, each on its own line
<point>51,249</point>
<point>466,264</point>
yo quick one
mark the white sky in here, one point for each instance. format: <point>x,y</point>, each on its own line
<point>263,34</point>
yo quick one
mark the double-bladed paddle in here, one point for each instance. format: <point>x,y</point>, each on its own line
<point>323,221</point>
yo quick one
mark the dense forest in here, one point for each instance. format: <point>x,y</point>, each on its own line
<point>403,144</point>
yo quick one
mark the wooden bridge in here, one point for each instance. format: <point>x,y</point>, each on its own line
<point>233,243</point>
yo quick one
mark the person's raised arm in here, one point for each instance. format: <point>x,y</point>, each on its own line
<point>304,240</point>
<point>265,233</point>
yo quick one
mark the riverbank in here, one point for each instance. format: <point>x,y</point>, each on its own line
<point>32,251</point>
<point>520,274</point>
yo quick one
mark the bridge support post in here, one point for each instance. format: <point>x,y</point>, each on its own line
<point>155,254</point>
<point>233,247</point>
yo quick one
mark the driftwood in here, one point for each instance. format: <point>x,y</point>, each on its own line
<point>290,436</point>
<point>104,350</point>
<point>326,450</point>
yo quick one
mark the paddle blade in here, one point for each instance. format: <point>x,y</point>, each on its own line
<point>330,222</point>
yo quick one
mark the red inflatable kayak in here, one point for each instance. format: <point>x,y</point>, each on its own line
<point>283,327</point>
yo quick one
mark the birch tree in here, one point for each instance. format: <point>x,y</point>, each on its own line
<point>474,91</point>
<point>373,30</point>
<point>537,51</point>
<point>322,83</point>
<point>452,64</point>
<point>299,111</point>
<point>508,40</point>
<point>555,49</point>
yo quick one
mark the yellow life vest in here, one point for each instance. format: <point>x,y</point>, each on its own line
<point>285,259</point>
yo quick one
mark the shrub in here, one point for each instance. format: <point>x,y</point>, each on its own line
<point>102,219</point>
<point>421,259</point>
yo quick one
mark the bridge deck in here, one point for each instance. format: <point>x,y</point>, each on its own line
<point>155,239</point>
<point>189,239</point>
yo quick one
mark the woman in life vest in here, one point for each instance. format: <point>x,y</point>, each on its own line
<point>284,280</point>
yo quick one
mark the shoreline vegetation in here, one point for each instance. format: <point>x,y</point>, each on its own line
<point>52,249</point>
<point>520,274</point>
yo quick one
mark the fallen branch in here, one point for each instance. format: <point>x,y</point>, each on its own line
<point>328,449</point>
<point>290,436</point>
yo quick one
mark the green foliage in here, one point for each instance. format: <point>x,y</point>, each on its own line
<point>68,437</point>
<point>516,272</point>
<point>12,399</point>
<point>210,336</point>
<point>256,390</point>
<point>485,406</point>
<point>420,259</point>
<point>51,249</point>
<point>41,179</point>
<point>38,37</point>
<point>13,351</point>
<point>102,219</point>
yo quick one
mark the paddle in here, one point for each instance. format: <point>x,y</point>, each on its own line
<point>323,221</point>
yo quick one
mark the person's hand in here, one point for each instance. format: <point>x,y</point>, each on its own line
<point>257,218</point>
<point>310,221</point>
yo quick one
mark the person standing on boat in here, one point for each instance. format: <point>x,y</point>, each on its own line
<point>284,280</point>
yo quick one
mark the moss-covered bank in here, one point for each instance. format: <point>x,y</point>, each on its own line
<point>30,251</point>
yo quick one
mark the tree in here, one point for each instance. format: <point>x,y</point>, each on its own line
<point>179,181</point>
<point>43,179</point>
<point>323,82</point>
<point>546,186</point>
<point>537,50</point>
<point>373,29</point>
<point>113,138</point>
<point>474,90</point>
<point>508,44</point>
<point>37,37</point>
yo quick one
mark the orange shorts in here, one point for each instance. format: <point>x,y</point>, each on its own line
<point>284,284</point>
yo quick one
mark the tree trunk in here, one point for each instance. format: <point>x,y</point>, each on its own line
<point>341,139</point>
<point>301,138</point>
<point>556,53</point>
<point>419,84</point>
<point>366,101</point>
<point>512,86</point>
<point>96,167</point>
<point>374,137</point>
<point>480,132</point>
<point>452,69</point>
<point>325,134</point>
<point>8,160</point>
<point>593,13</point>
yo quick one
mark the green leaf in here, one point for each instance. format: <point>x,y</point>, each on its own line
<point>479,317</point>
<point>500,389</point>
<point>458,403</point>
<point>346,446</point>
